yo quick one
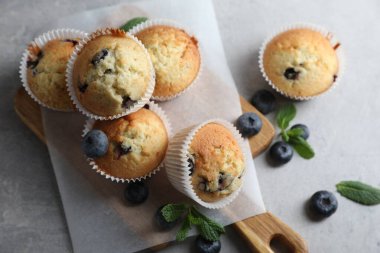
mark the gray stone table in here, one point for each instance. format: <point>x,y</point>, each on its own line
<point>343,125</point>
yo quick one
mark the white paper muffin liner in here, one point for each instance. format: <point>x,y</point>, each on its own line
<point>40,41</point>
<point>69,74</point>
<point>154,108</point>
<point>167,22</point>
<point>177,166</point>
<point>333,41</point>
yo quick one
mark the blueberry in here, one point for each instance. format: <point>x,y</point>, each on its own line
<point>32,63</point>
<point>136,192</point>
<point>291,74</point>
<point>305,129</point>
<point>204,246</point>
<point>99,56</point>
<point>161,222</point>
<point>95,143</point>
<point>281,152</point>
<point>121,150</point>
<point>249,124</point>
<point>127,102</point>
<point>264,101</point>
<point>323,203</point>
<point>83,87</point>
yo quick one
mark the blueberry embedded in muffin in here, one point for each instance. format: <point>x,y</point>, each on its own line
<point>216,162</point>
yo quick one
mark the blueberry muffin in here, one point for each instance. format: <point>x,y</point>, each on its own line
<point>137,144</point>
<point>175,58</point>
<point>111,74</point>
<point>216,162</point>
<point>46,73</point>
<point>301,63</point>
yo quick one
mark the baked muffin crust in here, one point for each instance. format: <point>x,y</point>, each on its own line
<point>110,74</point>
<point>137,144</point>
<point>175,57</point>
<point>46,73</point>
<point>301,62</point>
<point>217,162</point>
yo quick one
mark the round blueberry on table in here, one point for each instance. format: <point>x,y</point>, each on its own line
<point>264,101</point>
<point>249,124</point>
<point>323,203</point>
<point>204,246</point>
<point>161,222</point>
<point>136,192</point>
<point>95,143</point>
<point>305,129</point>
<point>281,152</point>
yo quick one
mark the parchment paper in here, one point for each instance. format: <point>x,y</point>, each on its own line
<point>98,218</point>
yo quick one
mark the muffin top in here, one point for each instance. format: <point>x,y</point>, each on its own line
<point>110,74</point>
<point>301,62</point>
<point>46,73</point>
<point>137,144</point>
<point>216,162</point>
<point>175,58</point>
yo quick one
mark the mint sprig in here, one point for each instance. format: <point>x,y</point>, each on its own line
<point>208,228</point>
<point>132,23</point>
<point>293,136</point>
<point>359,192</point>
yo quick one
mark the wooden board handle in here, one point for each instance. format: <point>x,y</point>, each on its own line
<point>261,229</point>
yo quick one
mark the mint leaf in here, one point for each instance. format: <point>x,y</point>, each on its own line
<point>285,115</point>
<point>216,226</point>
<point>302,147</point>
<point>295,132</point>
<point>184,230</point>
<point>359,192</point>
<point>207,232</point>
<point>284,135</point>
<point>172,212</point>
<point>132,23</point>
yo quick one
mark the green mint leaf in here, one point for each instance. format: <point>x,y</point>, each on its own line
<point>302,147</point>
<point>359,192</point>
<point>284,135</point>
<point>295,132</point>
<point>216,226</point>
<point>184,230</point>
<point>285,115</point>
<point>194,220</point>
<point>132,23</point>
<point>172,212</point>
<point>208,232</point>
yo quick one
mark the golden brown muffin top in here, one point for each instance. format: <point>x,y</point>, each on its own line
<point>137,144</point>
<point>218,162</point>
<point>175,57</point>
<point>110,74</point>
<point>46,69</point>
<point>301,62</point>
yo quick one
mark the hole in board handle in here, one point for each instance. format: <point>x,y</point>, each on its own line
<point>279,244</point>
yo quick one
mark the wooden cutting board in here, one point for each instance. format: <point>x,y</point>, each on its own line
<point>258,231</point>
